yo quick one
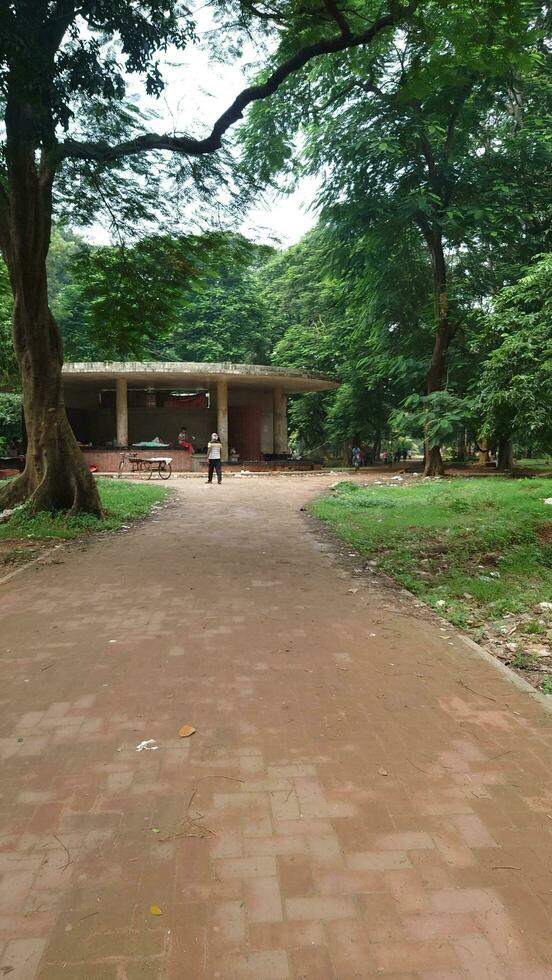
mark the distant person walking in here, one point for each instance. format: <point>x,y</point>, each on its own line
<point>356,457</point>
<point>214,455</point>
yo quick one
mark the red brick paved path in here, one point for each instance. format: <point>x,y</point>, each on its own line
<point>364,796</point>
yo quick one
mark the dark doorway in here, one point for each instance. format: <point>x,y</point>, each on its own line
<point>244,431</point>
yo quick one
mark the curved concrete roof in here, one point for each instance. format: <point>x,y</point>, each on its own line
<point>175,373</point>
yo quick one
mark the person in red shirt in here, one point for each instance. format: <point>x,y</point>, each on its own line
<point>183,440</point>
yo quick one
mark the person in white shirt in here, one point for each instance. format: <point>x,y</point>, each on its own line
<point>214,455</point>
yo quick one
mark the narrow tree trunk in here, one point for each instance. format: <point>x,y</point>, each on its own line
<point>505,459</point>
<point>55,475</point>
<point>435,377</point>
<point>483,452</point>
<point>461,448</point>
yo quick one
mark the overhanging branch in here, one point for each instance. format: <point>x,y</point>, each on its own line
<point>333,9</point>
<point>190,146</point>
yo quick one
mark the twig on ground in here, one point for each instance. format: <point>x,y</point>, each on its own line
<point>417,767</point>
<point>478,693</point>
<point>69,858</point>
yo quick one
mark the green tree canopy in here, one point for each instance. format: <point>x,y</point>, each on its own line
<point>69,130</point>
<point>441,133</point>
<point>515,386</point>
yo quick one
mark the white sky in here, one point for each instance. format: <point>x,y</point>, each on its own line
<point>197,91</point>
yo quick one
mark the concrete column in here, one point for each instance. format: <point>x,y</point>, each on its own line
<point>280,422</point>
<point>222,416</point>
<point>122,412</point>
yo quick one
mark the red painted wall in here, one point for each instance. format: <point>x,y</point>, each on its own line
<point>244,431</point>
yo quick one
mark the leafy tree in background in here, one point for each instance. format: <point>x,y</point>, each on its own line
<point>65,294</point>
<point>131,296</point>
<point>224,318</point>
<point>345,307</point>
<point>10,401</point>
<point>162,297</point>
<point>8,367</point>
<point>441,132</point>
<point>515,386</point>
<point>64,70</point>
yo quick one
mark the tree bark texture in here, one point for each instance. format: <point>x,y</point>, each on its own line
<point>55,475</point>
<point>505,459</point>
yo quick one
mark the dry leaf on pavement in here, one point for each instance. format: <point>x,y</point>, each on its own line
<point>186,731</point>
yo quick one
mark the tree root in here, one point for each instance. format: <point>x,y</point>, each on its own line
<point>74,498</point>
<point>15,492</point>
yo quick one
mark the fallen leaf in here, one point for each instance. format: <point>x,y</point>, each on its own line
<point>155,910</point>
<point>155,830</point>
<point>186,731</point>
<point>382,771</point>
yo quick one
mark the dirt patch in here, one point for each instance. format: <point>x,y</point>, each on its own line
<point>524,643</point>
<point>545,533</point>
<point>13,554</point>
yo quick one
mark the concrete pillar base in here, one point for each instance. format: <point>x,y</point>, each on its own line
<point>122,412</point>
<point>222,417</point>
<point>280,422</point>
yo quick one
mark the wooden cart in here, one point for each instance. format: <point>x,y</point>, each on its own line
<point>147,465</point>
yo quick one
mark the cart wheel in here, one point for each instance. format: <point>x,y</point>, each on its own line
<point>149,470</point>
<point>165,471</point>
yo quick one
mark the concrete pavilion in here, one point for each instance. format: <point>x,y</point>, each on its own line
<point>112,405</point>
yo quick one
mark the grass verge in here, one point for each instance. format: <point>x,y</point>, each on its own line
<point>21,537</point>
<point>478,551</point>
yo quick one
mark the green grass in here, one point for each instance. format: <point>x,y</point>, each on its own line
<point>473,549</point>
<point>122,502</point>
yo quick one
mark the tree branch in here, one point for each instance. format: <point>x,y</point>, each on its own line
<point>371,88</point>
<point>268,15</point>
<point>190,146</point>
<point>339,17</point>
<point>427,149</point>
<point>57,24</point>
<point>454,117</point>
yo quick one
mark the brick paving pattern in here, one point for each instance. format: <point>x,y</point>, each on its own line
<point>365,796</point>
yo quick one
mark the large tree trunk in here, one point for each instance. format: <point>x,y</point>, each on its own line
<point>435,377</point>
<point>505,460</point>
<point>434,465</point>
<point>55,475</point>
